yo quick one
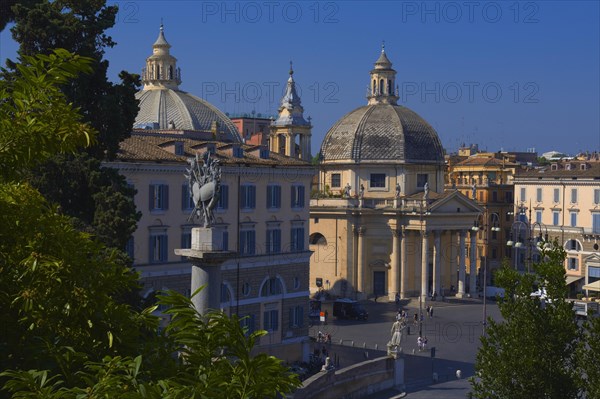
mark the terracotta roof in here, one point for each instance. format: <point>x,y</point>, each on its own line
<point>149,148</point>
<point>485,161</point>
<point>559,170</point>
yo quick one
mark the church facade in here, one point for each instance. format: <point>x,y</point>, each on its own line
<point>382,223</point>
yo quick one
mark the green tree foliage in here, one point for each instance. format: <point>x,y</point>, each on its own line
<point>532,352</point>
<point>98,198</point>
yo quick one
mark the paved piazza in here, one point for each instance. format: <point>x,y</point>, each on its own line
<point>454,331</point>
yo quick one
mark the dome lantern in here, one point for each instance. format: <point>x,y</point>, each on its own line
<point>161,67</point>
<point>382,83</point>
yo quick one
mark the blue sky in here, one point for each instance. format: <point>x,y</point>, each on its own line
<point>502,74</point>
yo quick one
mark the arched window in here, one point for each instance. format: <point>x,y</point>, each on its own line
<point>374,87</point>
<point>317,239</point>
<point>381,86</point>
<point>170,71</point>
<point>573,245</point>
<point>389,87</point>
<point>272,287</point>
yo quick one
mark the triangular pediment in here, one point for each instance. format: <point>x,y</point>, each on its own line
<point>593,260</point>
<point>453,201</point>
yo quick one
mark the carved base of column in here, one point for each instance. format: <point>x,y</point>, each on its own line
<point>461,295</point>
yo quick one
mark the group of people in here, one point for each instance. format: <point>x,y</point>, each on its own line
<point>323,337</point>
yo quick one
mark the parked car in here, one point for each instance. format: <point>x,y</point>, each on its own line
<point>349,309</point>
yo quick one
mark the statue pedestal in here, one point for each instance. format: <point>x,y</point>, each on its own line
<point>206,256</point>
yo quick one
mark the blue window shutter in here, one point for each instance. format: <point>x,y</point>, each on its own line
<point>244,196</point>
<point>301,196</point>
<point>251,324</point>
<point>291,317</point>
<point>278,196</point>
<point>269,196</point>
<point>225,196</point>
<point>151,197</point>
<point>277,240</point>
<point>166,197</point>
<point>252,197</point>
<point>252,242</point>
<point>274,320</point>
<point>184,197</point>
<point>242,243</point>
<point>293,196</point>
<point>266,324</point>
<point>164,248</point>
<point>151,249</point>
<point>225,241</point>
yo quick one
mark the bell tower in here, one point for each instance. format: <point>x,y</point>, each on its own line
<point>290,132</point>
<point>161,67</point>
<point>382,89</point>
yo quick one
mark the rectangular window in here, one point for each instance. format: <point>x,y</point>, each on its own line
<point>494,196</point>
<point>159,197</point>
<point>595,223</point>
<point>159,247</point>
<point>573,263</point>
<point>573,219</point>
<point>247,242</point>
<point>523,192</point>
<point>538,216</point>
<point>273,197</point>
<point>187,202</point>
<point>273,241</point>
<point>248,197</point>
<point>377,180</point>
<point>573,196</point>
<point>596,196</point>
<point>129,247</point>
<point>556,196</point>
<point>296,316</point>
<point>297,239</point>
<point>555,218</point>
<point>538,195</point>
<point>421,180</point>
<point>186,238</point>
<point>297,196</point>
<point>271,320</point>
<point>223,197</point>
<point>508,197</point>
<point>494,253</point>
<point>336,180</point>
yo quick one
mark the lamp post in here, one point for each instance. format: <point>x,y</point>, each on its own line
<point>529,229</point>
<point>494,224</point>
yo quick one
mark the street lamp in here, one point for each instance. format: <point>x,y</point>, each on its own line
<point>494,224</point>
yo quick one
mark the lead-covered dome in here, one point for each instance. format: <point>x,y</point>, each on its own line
<point>164,107</point>
<point>382,130</point>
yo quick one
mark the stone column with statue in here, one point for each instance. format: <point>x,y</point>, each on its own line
<point>206,253</point>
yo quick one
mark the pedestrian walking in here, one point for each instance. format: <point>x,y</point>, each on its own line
<point>424,343</point>
<point>420,343</point>
<point>398,316</point>
<point>430,312</point>
<point>397,300</point>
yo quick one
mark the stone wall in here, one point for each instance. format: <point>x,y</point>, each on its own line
<point>354,382</point>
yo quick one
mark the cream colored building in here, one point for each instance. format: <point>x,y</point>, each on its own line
<point>262,213</point>
<point>563,199</point>
<point>383,223</point>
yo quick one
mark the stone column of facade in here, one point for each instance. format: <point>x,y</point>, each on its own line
<point>473,265</point>
<point>395,267</point>
<point>424,266</point>
<point>437,266</point>
<point>461,265</point>
<point>360,281</point>
<point>403,260</point>
<point>291,145</point>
